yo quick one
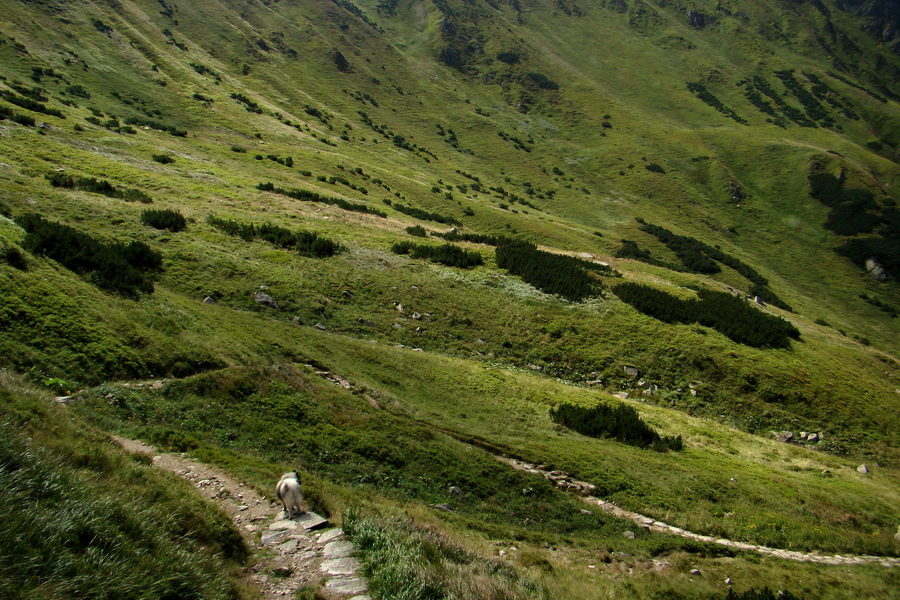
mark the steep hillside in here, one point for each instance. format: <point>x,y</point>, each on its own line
<point>554,201</point>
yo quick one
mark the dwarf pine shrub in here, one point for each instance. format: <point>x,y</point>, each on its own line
<point>448,254</point>
<point>164,219</point>
<point>118,267</point>
<point>616,421</point>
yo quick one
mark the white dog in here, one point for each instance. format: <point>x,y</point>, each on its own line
<point>288,491</point>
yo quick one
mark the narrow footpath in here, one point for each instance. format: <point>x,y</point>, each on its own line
<point>289,554</point>
<point>583,489</point>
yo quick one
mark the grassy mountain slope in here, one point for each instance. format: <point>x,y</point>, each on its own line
<point>573,125</point>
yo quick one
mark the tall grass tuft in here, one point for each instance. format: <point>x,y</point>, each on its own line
<point>405,561</point>
<point>85,521</point>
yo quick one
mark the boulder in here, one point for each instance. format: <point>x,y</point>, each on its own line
<point>812,438</point>
<point>622,395</point>
<point>265,300</point>
<point>455,491</point>
<point>320,326</point>
<point>628,534</point>
<point>632,371</point>
<point>209,300</point>
<point>785,437</point>
<point>863,469</point>
<point>876,270</point>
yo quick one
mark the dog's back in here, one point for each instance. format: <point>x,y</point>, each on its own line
<point>288,491</point>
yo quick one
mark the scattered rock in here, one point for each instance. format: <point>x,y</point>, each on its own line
<point>296,320</point>
<point>536,367</point>
<point>628,534</point>
<point>803,435</point>
<point>282,572</point>
<point>340,566</point>
<point>330,535</point>
<point>338,549</point>
<point>455,491</point>
<point>320,326</point>
<point>785,437</point>
<point>209,300</point>
<point>265,299</point>
<point>632,371</point>
<point>876,270</point>
<point>863,469</point>
<point>812,438</point>
<point>695,572</point>
<point>622,395</point>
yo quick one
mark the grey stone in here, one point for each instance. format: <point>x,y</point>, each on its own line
<point>209,300</point>
<point>288,546</point>
<point>273,536</point>
<point>362,597</point>
<point>265,300</point>
<point>340,566</point>
<point>347,585</point>
<point>876,270</point>
<point>695,572</point>
<point>622,395</point>
<point>339,549</point>
<point>283,524</point>
<point>628,534</point>
<point>812,438</point>
<point>455,491</point>
<point>863,469</point>
<point>632,372</point>
<point>330,535</point>
<point>785,437</point>
<point>320,326</point>
<point>310,520</point>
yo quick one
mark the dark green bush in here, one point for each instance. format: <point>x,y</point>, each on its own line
<point>448,254</point>
<point>730,316</point>
<point>163,159</point>
<point>306,243</point>
<point>118,267</point>
<point>565,276</point>
<point>30,104</point>
<point>654,168</point>
<point>543,82</point>
<point>309,196</point>
<point>619,422</point>
<point>417,230</point>
<point>97,186</point>
<point>164,219</point>
<point>424,215</point>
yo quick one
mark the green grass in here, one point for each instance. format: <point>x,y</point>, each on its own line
<point>86,520</point>
<point>496,352</point>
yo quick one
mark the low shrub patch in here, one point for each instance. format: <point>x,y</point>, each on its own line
<point>448,254</point>
<point>97,186</point>
<point>617,421</point>
<point>307,243</point>
<point>164,219</point>
<point>118,267</point>
<point>565,276</point>
<point>309,196</point>
<point>423,215</point>
<point>730,316</point>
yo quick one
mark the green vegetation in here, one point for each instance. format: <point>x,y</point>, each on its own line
<point>424,215</point>
<point>164,219</point>
<point>97,186</point>
<point>447,254</point>
<point>619,422</point>
<point>123,268</point>
<point>730,316</point>
<point>572,278</point>
<point>392,382</point>
<point>392,554</point>
<point>82,517</point>
<point>306,243</point>
<point>308,196</point>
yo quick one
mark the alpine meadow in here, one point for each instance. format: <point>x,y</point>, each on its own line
<point>541,299</point>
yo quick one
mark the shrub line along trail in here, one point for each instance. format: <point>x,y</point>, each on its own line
<point>562,480</point>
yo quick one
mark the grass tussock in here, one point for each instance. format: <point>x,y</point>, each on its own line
<point>405,561</point>
<point>82,520</point>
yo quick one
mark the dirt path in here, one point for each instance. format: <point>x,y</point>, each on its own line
<point>290,554</point>
<point>584,489</point>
